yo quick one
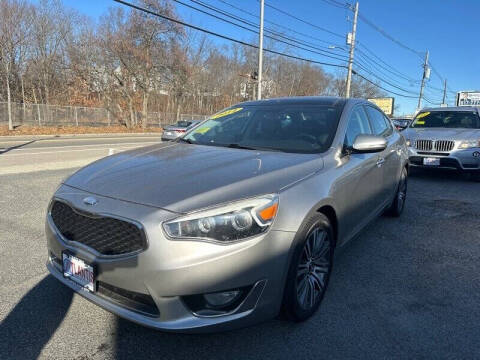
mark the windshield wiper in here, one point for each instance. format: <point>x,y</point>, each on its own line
<point>238,146</point>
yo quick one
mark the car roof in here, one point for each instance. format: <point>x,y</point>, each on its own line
<point>452,108</point>
<point>301,100</point>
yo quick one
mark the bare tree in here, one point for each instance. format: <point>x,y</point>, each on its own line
<point>131,62</point>
<point>15,30</point>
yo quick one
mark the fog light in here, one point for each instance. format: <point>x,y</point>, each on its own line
<point>221,299</point>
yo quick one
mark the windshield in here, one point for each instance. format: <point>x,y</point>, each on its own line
<point>289,128</point>
<point>447,119</point>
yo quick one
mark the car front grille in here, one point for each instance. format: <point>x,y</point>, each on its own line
<point>444,145</point>
<point>437,145</point>
<point>424,145</point>
<point>106,235</point>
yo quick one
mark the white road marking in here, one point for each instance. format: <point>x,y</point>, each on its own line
<point>129,145</point>
<point>74,138</point>
<point>84,145</point>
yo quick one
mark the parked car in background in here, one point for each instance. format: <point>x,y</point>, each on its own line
<point>233,222</point>
<point>401,123</point>
<point>171,132</point>
<point>446,138</point>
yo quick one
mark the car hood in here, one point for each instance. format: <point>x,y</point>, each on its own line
<point>183,177</point>
<point>441,134</point>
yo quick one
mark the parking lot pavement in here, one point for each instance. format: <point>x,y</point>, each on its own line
<point>405,288</point>
<point>37,153</point>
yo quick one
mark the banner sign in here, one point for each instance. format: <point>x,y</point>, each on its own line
<point>468,98</point>
<point>385,104</point>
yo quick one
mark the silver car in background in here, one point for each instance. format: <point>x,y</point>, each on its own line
<point>232,223</point>
<point>401,123</point>
<point>446,138</point>
<point>172,132</point>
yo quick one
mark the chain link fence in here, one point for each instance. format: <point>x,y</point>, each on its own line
<point>55,115</point>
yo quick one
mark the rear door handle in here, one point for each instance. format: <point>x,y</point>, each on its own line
<point>380,162</point>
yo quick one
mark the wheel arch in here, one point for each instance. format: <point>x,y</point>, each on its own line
<point>331,214</point>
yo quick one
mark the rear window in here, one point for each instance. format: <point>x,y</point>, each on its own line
<point>183,124</point>
<point>447,119</point>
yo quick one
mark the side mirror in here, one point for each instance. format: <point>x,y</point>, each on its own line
<point>369,143</point>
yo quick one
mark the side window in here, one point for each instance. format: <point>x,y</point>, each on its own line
<point>357,124</point>
<point>389,125</point>
<point>379,125</point>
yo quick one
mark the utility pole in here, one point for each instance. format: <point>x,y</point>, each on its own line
<point>351,39</point>
<point>426,75</point>
<point>260,52</point>
<point>444,91</point>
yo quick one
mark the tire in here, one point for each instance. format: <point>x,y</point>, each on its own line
<point>398,203</point>
<point>308,276</point>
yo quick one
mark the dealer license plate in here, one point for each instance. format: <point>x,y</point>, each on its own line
<point>431,161</point>
<point>78,271</point>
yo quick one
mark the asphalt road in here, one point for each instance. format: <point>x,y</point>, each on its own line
<point>26,154</point>
<point>406,288</point>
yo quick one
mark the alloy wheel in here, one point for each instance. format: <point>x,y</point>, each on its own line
<point>313,268</point>
<point>402,192</point>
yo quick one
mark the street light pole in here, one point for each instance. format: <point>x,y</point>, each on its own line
<point>260,52</point>
<point>352,50</point>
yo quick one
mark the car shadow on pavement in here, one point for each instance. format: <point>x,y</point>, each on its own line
<point>440,175</point>
<point>34,319</point>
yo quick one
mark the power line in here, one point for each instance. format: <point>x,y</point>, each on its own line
<point>388,36</point>
<point>381,87</point>
<point>225,37</point>
<point>243,20</point>
<point>337,4</point>
<point>382,79</point>
<point>318,51</point>
<point>364,55</point>
<point>367,61</point>
<point>384,65</point>
<point>398,42</point>
<point>279,25</point>
<point>440,77</point>
<point>304,21</point>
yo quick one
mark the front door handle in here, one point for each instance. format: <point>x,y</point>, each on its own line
<point>380,161</point>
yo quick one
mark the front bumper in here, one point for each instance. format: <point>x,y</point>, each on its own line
<point>167,270</point>
<point>459,159</point>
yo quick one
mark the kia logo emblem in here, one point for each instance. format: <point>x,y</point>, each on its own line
<point>90,201</point>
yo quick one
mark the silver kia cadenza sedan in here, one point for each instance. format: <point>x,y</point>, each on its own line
<point>232,223</point>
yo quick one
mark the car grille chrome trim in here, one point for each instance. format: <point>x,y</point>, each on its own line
<point>424,145</point>
<point>437,145</point>
<point>104,235</point>
<point>444,145</point>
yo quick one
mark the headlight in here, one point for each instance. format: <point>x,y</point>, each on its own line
<point>408,142</point>
<point>469,144</point>
<point>232,222</point>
